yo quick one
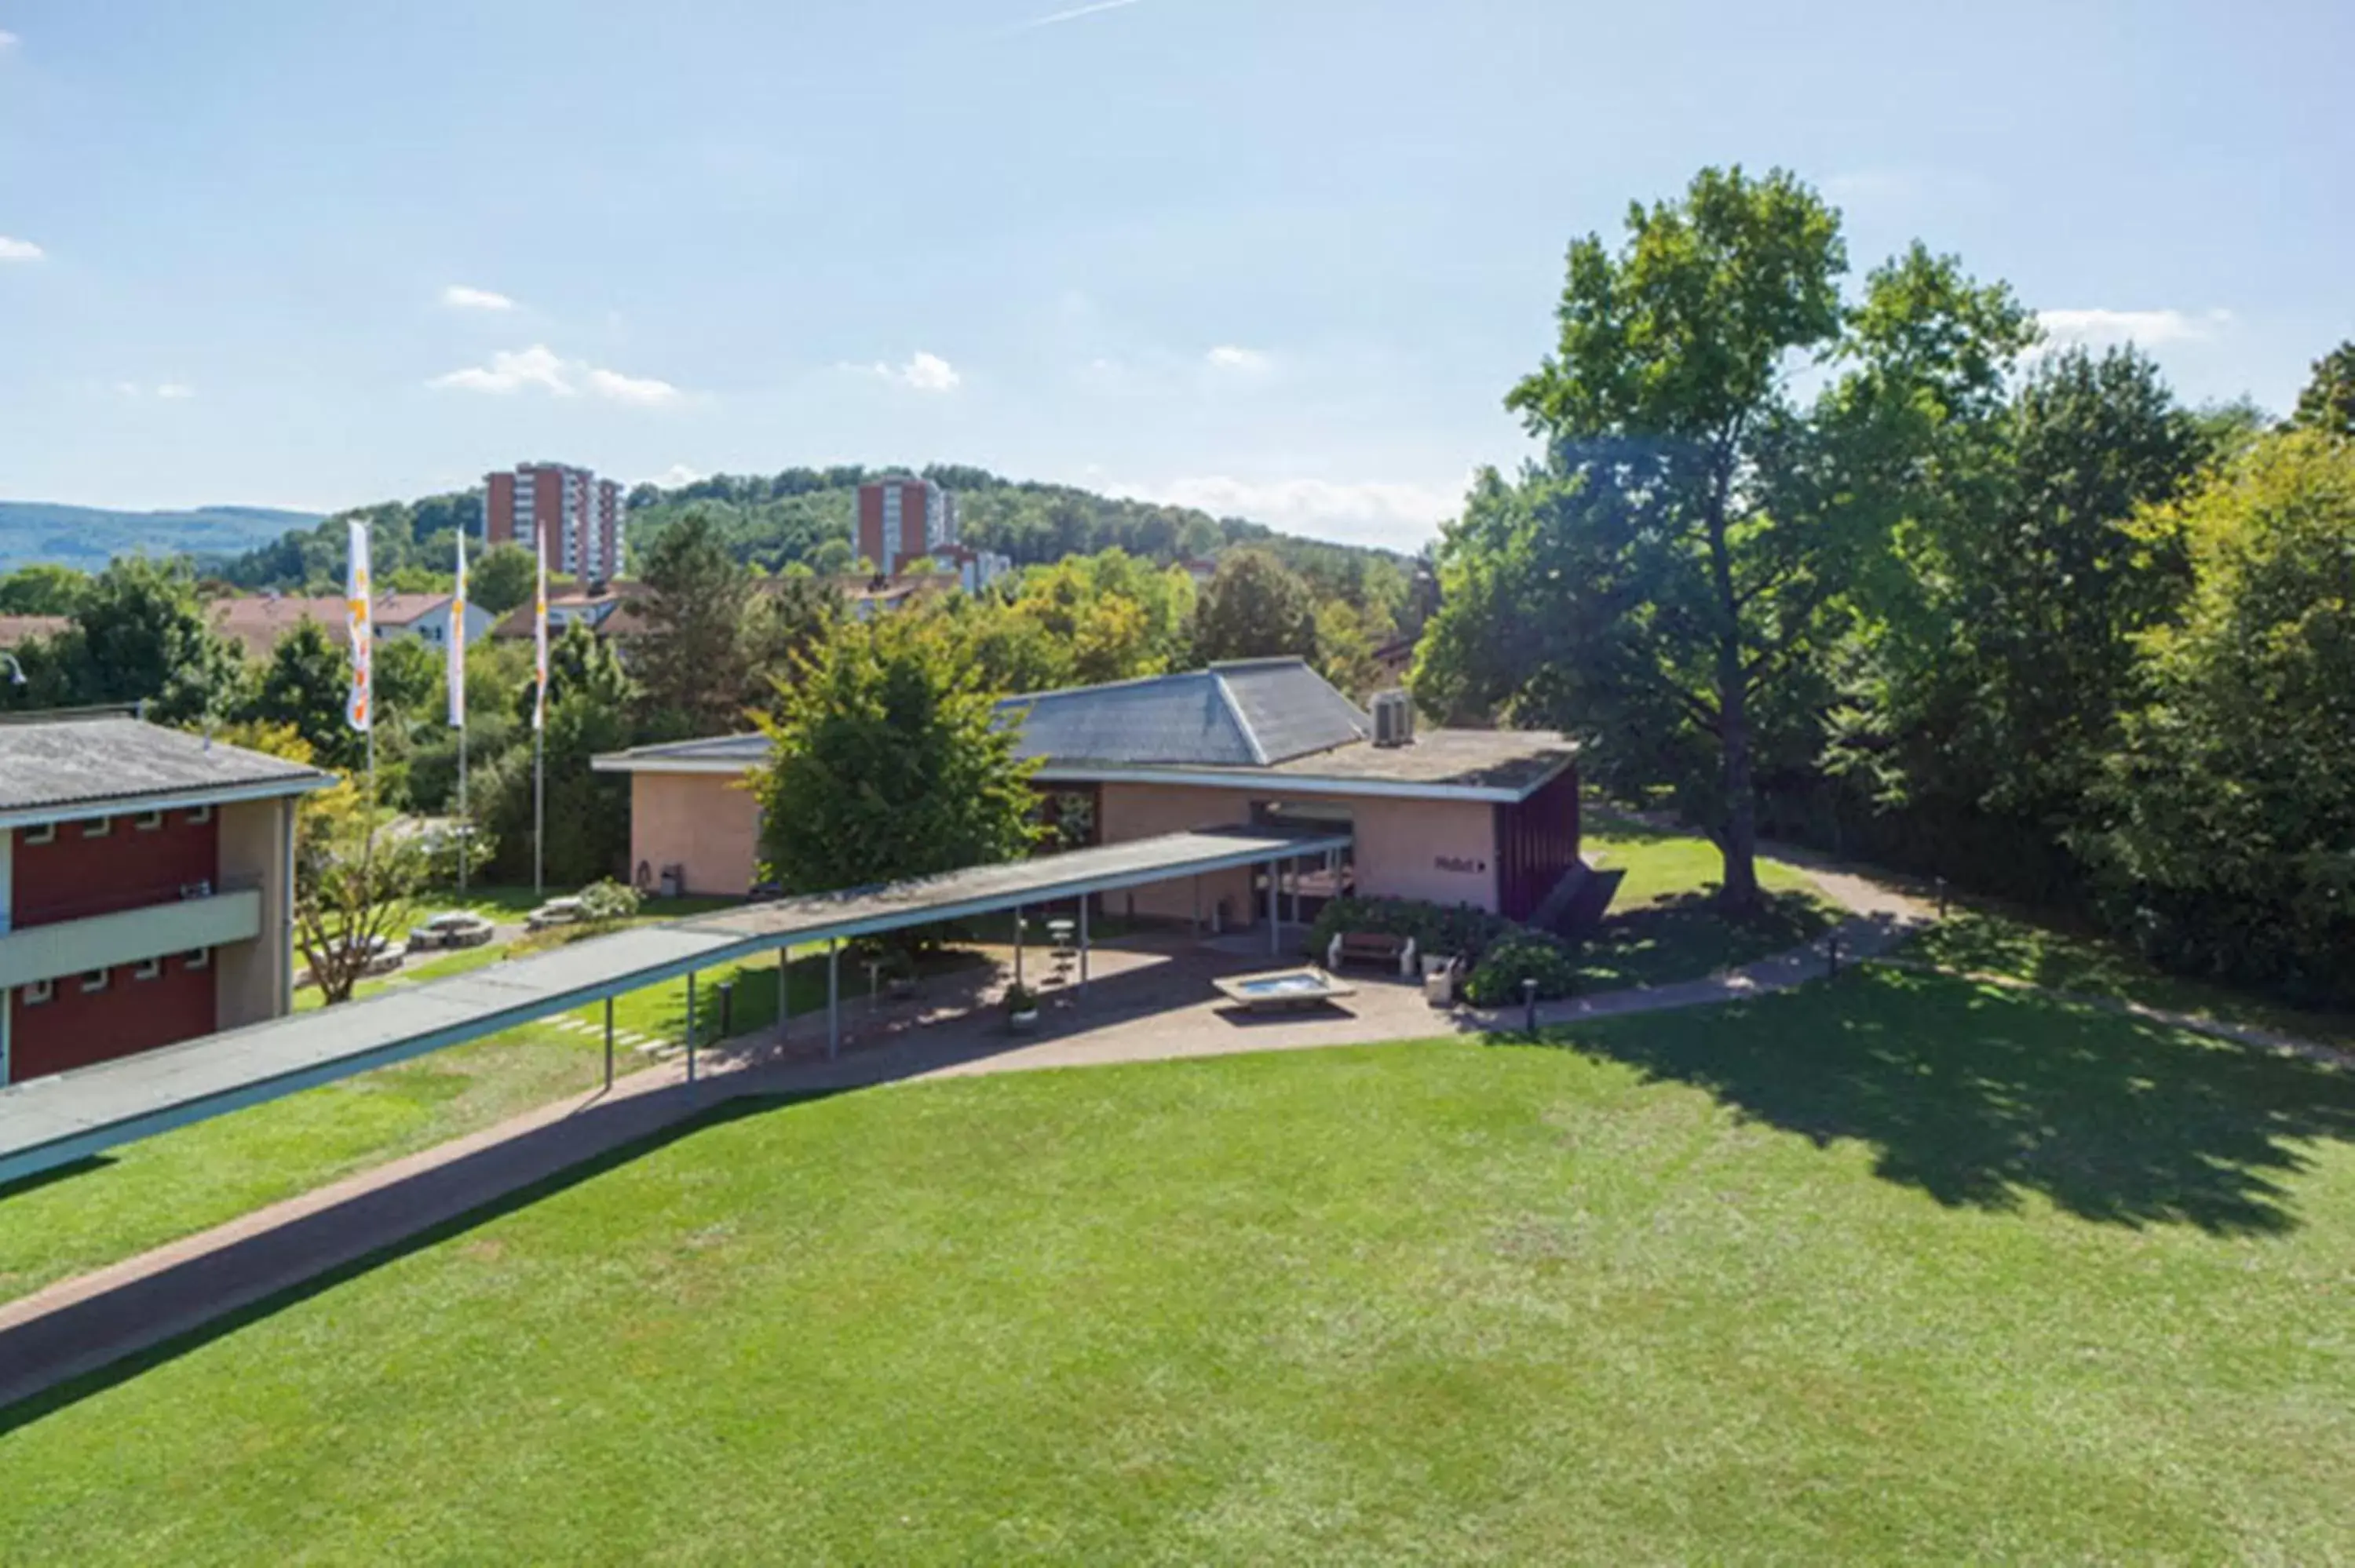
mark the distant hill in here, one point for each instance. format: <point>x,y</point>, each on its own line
<point>87,537</point>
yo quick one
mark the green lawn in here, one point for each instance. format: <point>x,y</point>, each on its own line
<point>1894,1269</point>
<point>160,1189</point>
<point>1663,926</point>
<point>1988,938</point>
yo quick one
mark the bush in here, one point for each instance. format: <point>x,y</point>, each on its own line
<point>607,902</point>
<point>1437,929</point>
<point>1496,981</point>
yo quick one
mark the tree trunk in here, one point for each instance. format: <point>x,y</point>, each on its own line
<point>1739,844</point>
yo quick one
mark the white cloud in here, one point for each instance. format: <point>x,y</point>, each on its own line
<point>922,373</point>
<point>1397,514</point>
<point>1240,361</point>
<point>1073,15</point>
<point>643,390</point>
<point>174,390</point>
<point>8,40</point>
<point>459,297</point>
<point>18,250</point>
<point>677,475</point>
<point>171,391</point>
<point>2147,329</point>
<point>512,370</point>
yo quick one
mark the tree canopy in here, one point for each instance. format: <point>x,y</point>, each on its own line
<point>887,764</point>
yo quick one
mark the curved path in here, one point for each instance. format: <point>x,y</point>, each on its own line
<point>81,1326</point>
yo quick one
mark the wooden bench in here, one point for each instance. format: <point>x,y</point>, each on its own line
<point>1374,948</point>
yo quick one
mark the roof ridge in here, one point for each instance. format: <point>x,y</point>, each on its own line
<point>1243,722</point>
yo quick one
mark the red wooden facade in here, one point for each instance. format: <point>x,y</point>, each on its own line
<point>1536,844</point>
<point>68,872</point>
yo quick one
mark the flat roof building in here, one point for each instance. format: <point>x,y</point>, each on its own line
<point>1486,818</point>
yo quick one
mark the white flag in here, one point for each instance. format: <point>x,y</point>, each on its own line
<point>539,634</point>
<point>457,667</point>
<point>360,622</point>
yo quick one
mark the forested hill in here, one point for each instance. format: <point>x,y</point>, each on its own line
<point>87,537</point>
<point>803,515</point>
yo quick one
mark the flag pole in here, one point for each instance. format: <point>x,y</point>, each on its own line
<point>539,717</point>
<point>455,674</point>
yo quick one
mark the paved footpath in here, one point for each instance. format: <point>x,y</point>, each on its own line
<point>1144,1009</point>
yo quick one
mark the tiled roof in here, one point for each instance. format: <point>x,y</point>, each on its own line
<point>16,628</point>
<point>79,761</point>
<point>258,621</point>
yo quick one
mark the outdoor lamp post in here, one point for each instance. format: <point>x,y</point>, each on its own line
<point>1529,1004</point>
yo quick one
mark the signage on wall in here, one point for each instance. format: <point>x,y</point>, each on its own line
<point>1460,863</point>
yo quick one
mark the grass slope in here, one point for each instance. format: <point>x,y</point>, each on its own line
<point>1891,1269</point>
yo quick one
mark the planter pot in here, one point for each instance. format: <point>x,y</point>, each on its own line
<point>1023,1023</point>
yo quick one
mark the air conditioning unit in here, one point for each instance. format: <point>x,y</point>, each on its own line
<point>1393,719</point>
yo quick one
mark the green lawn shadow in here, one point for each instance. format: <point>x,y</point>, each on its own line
<point>1981,1098</point>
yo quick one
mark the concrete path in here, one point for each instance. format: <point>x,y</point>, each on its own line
<point>1143,1003</point>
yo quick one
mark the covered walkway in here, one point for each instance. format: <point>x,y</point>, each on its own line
<point>52,1121</point>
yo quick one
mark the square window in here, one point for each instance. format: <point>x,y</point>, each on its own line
<point>199,815</point>
<point>45,834</point>
<point>202,959</point>
<point>93,981</point>
<point>98,827</point>
<point>147,968</point>
<point>39,991</point>
<point>149,822</point>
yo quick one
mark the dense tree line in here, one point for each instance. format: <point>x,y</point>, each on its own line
<point>2007,615</point>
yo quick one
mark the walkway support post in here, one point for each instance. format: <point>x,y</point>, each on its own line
<point>608,1042</point>
<point>690,1026</point>
<point>785,991</point>
<point>833,997</point>
<point>1294,864</point>
<point>1275,930</point>
<point>1084,941</point>
<point>1017,944</point>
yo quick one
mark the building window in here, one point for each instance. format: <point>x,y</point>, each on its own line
<point>98,827</point>
<point>199,815</point>
<point>41,833</point>
<point>147,968</point>
<point>93,981</point>
<point>149,822</point>
<point>202,959</point>
<point>39,991</point>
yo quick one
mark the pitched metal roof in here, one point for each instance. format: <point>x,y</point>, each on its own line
<point>1251,713</point>
<point>70,763</point>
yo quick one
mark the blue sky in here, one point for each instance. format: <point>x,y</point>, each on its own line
<point>1280,258</point>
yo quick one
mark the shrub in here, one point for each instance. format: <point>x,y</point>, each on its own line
<point>1496,981</point>
<point>607,902</point>
<point>1437,929</point>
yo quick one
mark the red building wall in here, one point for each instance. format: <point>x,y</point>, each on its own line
<point>76,1029</point>
<point>499,508</point>
<point>75,876</point>
<point>871,523</point>
<point>1537,841</point>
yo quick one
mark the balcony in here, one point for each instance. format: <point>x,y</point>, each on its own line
<point>210,918</point>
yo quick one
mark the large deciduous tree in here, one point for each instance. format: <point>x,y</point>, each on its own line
<point>1639,588</point>
<point>2231,842</point>
<point>887,764</point>
<point>502,577</point>
<point>1255,607</point>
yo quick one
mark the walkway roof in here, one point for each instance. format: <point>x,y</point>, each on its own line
<point>52,1121</point>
